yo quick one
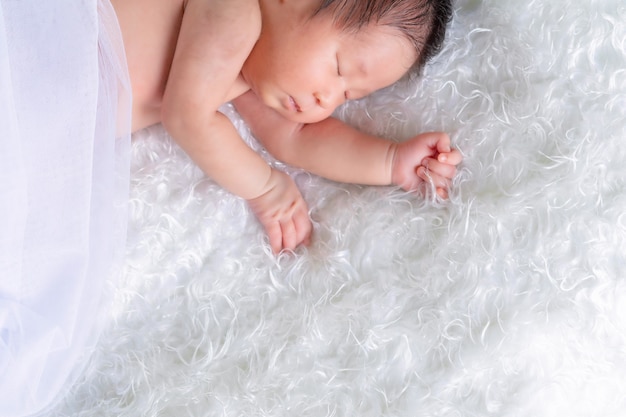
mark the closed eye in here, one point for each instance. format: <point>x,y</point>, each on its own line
<point>338,68</point>
<point>345,93</point>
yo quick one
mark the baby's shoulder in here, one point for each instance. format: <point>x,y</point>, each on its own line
<point>234,20</point>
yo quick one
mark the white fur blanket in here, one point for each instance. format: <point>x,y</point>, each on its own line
<point>507,300</point>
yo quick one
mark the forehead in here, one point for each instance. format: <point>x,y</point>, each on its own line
<point>377,41</point>
<point>376,56</point>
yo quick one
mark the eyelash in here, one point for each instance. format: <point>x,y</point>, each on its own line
<point>345,94</point>
<point>338,69</point>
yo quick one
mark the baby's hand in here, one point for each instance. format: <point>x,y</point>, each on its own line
<point>283,213</point>
<point>425,158</point>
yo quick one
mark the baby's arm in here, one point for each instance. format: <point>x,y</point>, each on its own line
<point>339,152</point>
<point>208,57</point>
<point>214,40</point>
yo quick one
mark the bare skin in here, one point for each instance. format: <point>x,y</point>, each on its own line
<point>150,32</point>
<point>188,57</point>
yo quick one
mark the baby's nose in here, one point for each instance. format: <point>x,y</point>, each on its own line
<point>329,98</point>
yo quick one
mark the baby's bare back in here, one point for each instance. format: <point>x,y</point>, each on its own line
<point>150,29</point>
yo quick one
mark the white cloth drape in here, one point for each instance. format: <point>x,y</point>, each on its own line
<point>64,148</point>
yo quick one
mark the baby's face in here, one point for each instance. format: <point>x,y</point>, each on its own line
<point>305,71</point>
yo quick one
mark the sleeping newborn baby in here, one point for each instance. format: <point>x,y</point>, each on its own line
<point>286,65</point>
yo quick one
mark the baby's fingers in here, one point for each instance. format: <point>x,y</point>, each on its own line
<point>440,183</point>
<point>439,168</point>
<point>453,157</point>
<point>296,230</point>
<point>433,178</point>
<point>303,227</point>
<point>443,142</point>
<point>289,232</point>
<point>288,229</point>
<point>275,235</point>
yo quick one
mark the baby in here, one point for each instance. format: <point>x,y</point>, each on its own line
<point>286,65</point>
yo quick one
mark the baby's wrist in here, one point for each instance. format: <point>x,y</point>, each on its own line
<point>266,183</point>
<point>391,164</point>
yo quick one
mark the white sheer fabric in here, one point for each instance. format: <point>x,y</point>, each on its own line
<point>64,148</point>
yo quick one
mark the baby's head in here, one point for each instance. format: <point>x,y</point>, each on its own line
<point>313,55</point>
<point>422,22</point>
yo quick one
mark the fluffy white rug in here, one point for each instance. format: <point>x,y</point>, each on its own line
<point>507,300</point>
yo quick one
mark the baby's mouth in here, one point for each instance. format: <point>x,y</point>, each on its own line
<point>295,105</point>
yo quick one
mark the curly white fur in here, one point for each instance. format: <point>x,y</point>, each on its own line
<point>507,300</point>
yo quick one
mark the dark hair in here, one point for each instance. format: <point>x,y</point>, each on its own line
<point>423,22</point>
